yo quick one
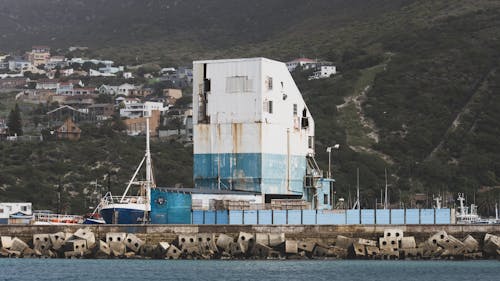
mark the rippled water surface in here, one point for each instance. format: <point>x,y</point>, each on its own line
<point>60,269</point>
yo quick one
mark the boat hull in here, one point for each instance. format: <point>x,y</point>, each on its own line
<point>122,215</point>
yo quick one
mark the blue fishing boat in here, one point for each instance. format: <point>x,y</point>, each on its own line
<point>131,209</point>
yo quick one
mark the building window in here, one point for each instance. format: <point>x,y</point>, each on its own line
<point>268,106</point>
<point>24,208</point>
<point>295,109</point>
<point>239,84</point>
<point>325,199</point>
<point>1,211</point>
<point>310,142</point>
<point>269,83</point>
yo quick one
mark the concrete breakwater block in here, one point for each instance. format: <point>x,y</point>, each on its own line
<point>118,249</point>
<point>393,233</point>
<point>41,242</point>
<point>133,243</point>
<point>224,241</point>
<point>58,239</point>
<point>246,241</point>
<point>408,242</point>
<point>173,253</point>
<point>276,239</point>
<point>389,243</point>
<point>101,250</point>
<point>344,242</point>
<point>235,249</point>
<point>261,251</point>
<point>491,245</point>
<point>206,243</point>
<point>359,249</point>
<point>187,241</point>
<point>337,252</point>
<point>6,242</point>
<point>18,245</point>
<point>306,246</point>
<point>116,237</point>
<point>321,251</point>
<point>262,238</point>
<point>87,235</point>
<point>291,247</point>
<point>367,242</point>
<point>75,245</point>
<point>161,250</point>
<point>438,238</point>
<point>471,245</point>
<point>372,251</point>
<point>412,253</point>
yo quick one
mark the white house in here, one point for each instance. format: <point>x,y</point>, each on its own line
<point>137,110</point>
<point>128,75</point>
<point>10,210</point>
<point>323,71</point>
<point>96,73</point>
<point>108,90</point>
<point>305,63</point>
<point>126,89</point>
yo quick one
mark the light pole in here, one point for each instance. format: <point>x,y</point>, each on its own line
<point>329,150</point>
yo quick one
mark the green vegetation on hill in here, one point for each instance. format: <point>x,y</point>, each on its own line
<point>417,91</point>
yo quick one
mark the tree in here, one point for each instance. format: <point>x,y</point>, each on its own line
<point>14,121</point>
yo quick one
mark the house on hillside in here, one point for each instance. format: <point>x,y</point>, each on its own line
<point>323,71</point>
<point>39,55</point>
<point>126,89</point>
<point>137,126</point>
<point>18,64</point>
<point>101,111</point>
<point>60,114</point>
<point>65,88</point>
<point>11,83</point>
<point>68,130</point>
<point>138,110</point>
<point>47,84</point>
<point>304,63</point>
<point>172,95</point>
<point>108,90</point>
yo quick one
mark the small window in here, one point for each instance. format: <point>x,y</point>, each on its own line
<point>294,109</point>
<point>269,81</point>
<point>270,106</point>
<point>239,84</point>
<point>325,199</point>
<point>24,208</point>
<point>311,142</point>
<point>1,211</point>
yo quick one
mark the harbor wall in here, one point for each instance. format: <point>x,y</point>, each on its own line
<point>152,234</point>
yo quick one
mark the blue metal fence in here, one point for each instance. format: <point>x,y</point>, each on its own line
<point>336,217</point>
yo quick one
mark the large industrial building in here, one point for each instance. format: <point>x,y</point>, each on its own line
<point>253,132</point>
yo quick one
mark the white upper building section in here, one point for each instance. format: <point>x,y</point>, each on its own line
<point>258,93</point>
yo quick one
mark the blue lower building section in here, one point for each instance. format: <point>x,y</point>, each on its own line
<point>173,208</point>
<point>122,216</point>
<point>322,217</point>
<point>253,172</point>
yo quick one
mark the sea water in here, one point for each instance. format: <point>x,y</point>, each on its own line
<point>311,270</point>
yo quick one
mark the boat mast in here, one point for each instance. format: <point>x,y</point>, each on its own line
<point>356,204</point>
<point>149,172</point>
<point>385,200</point>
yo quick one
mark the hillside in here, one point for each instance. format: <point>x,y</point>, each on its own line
<point>417,91</point>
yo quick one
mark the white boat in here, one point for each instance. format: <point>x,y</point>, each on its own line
<point>131,209</point>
